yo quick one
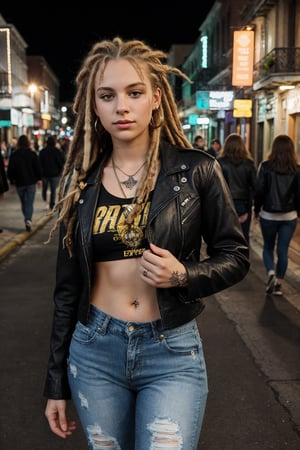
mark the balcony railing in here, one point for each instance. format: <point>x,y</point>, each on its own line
<point>280,63</point>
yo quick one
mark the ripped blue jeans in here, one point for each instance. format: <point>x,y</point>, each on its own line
<point>137,386</point>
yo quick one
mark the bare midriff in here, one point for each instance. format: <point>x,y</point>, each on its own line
<point>119,291</point>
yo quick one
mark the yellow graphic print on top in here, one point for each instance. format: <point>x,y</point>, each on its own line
<point>111,219</point>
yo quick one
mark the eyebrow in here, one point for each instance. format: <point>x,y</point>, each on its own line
<point>130,86</point>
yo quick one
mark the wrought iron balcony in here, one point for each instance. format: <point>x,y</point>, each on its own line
<point>280,66</point>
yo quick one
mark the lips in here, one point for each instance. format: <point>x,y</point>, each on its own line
<point>123,124</point>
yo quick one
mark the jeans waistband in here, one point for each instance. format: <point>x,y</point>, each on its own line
<point>104,322</point>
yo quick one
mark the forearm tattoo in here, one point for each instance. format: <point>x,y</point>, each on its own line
<point>178,279</point>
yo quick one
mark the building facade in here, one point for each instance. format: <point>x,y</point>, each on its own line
<point>207,105</point>
<point>29,90</point>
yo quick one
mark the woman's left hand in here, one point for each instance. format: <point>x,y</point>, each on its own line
<point>161,269</point>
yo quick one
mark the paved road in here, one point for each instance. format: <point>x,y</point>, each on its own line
<point>12,221</point>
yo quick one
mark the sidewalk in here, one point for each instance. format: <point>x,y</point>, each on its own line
<point>12,221</point>
<point>14,234</point>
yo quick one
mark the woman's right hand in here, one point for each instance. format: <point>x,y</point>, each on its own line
<point>56,415</point>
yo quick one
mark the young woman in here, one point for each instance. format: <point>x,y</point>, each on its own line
<point>240,173</point>
<point>277,205</point>
<point>135,202</point>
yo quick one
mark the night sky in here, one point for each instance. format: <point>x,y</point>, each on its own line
<point>63,36</point>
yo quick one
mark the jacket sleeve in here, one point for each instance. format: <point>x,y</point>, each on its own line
<point>66,297</point>
<point>227,260</point>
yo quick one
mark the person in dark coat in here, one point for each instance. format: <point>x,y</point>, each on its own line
<point>24,171</point>
<point>277,207</point>
<point>240,173</point>
<point>52,161</point>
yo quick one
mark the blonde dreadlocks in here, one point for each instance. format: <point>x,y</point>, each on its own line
<point>90,137</point>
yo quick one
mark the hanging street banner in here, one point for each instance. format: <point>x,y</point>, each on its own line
<point>243,54</point>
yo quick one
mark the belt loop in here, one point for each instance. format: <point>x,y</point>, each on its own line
<point>104,323</point>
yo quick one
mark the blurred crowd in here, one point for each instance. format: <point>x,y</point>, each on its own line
<point>25,165</point>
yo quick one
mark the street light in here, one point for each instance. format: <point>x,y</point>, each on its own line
<point>32,89</point>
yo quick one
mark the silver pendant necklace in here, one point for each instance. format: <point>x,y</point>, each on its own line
<point>131,181</point>
<point>130,234</point>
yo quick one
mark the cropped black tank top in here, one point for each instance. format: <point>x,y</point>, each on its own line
<point>111,238</point>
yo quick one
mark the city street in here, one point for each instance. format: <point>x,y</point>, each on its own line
<point>223,68</point>
<point>251,342</point>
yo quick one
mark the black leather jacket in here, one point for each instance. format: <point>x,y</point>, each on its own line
<point>191,202</point>
<point>241,179</point>
<point>276,192</point>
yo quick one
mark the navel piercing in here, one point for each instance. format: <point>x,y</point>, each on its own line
<point>135,303</point>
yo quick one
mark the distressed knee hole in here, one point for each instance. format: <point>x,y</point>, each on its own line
<point>99,440</point>
<point>165,435</point>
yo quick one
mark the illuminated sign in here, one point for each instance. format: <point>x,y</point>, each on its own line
<point>5,123</point>
<point>243,53</point>
<point>214,100</point>
<point>203,121</point>
<point>242,108</point>
<point>204,56</point>
<point>220,100</point>
<point>202,99</point>
<point>193,119</point>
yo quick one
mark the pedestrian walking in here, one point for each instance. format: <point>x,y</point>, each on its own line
<point>125,343</point>
<point>240,173</point>
<point>277,206</point>
<point>199,143</point>
<point>52,161</point>
<point>215,148</point>
<point>3,180</point>
<point>24,172</point>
